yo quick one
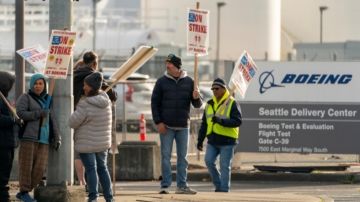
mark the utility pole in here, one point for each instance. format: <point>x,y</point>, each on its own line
<point>61,162</point>
<point>60,170</point>
<point>19,44</point>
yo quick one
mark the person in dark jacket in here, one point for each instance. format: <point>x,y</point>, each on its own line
<point>35,138</point>
<point>222,133</point>
<point>8,140</point>
<point>90,62</point>
<point>170,104</point>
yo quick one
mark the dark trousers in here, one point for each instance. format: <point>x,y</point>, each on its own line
<point>6,161</point>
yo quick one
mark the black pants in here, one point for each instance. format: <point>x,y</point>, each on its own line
<point>6,161</point>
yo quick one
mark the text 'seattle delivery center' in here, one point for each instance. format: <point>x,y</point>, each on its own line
<point>302,107</point>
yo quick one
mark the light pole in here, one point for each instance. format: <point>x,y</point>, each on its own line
<point>94,24</point>
<point>322,8</point>
<point>219,5</point>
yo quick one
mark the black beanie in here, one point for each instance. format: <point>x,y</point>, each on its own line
<point>175,60</point>
<point>219,82</point>
<point>7,80</point>
<point>94,80</point>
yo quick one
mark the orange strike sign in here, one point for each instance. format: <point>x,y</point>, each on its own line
<point>59,53</point>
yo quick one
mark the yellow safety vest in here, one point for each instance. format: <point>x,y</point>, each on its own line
<point>225,114</point>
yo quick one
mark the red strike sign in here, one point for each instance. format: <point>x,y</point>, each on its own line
<point>198,28</point>
<point>198,32</point>
<point>60,49</point>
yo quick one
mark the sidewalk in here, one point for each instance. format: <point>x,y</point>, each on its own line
<point>153,196</point>
<point>197,172</point>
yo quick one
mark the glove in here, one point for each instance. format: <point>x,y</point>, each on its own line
<point>56,144</point>
<point>217,120</point>
<point>199,145</point>
<point>18,122</point>
<point>112,95</point>
<point>44,112</point>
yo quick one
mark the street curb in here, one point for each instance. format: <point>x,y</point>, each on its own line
<point>263,176</point>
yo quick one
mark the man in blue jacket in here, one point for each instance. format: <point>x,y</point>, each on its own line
<point>170,105</point>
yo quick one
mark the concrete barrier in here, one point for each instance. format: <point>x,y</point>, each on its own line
<point>136,161</point>
<point>59,193</point>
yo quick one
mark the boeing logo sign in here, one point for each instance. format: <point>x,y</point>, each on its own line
<point>267,80</point>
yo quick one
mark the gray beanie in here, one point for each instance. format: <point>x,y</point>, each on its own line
<point>94,80</point>
<point>7,80</point>
<point>219,82</point>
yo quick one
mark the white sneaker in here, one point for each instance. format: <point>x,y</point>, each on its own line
<point>185,190</point>
<point>164,190</point>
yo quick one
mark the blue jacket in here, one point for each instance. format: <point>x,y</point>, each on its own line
<point>171,99</point>
<point>7,137</point>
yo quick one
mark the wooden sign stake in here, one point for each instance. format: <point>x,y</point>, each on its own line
<point>7,103</point>
<point>196,61</point>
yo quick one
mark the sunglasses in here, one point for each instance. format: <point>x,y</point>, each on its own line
<point>215,88</point>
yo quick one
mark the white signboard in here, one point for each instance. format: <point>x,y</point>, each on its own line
<point>302,107</point>
<point>306,82</point>
<point>59,53</point>
<point>35,55</point>
<point>198,32</point>
<point>244,70</point>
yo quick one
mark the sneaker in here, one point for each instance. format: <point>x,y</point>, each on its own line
<point>185,190</point>
<point>111,200</point>
<point>95,200</point>
<point>219,190</point>
<point>18,195</point>
<point>164,190</point>
<point>26,197</point>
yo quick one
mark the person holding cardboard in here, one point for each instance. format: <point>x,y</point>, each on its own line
<point>222,133</point>
<point>9,140</point>
<point>170,105</point>
<point>35,139</point>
